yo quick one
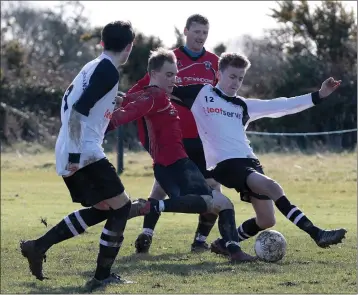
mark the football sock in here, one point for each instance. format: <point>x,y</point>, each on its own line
<point>228,231</point>
<point>72,225</point>
<point>296,216</point>
<point>111,241</point>
<point>150,220</point>
<point>206,223</point>
<point>248,229</point>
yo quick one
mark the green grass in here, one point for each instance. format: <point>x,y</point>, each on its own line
<point>323,186</point>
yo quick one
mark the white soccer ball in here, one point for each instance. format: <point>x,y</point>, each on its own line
<point>270,246</point>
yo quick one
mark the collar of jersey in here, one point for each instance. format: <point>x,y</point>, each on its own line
<point>108,57</point>
<point>233,99</point>
<point>149,86</point>
<point>181,48</point>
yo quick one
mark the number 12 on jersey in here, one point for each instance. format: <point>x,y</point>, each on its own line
<point>209,98</point>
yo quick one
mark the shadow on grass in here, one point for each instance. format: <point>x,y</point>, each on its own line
<point>44,287</point>
<point>176,264</point>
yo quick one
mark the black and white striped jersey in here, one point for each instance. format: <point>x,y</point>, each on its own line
<point>92,94</point>
<point>222,120</point>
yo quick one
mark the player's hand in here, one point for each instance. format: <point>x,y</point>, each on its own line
<point>72,167</point>
<point>329,86</point>
<point>119,101</point>
<point>119,98</point>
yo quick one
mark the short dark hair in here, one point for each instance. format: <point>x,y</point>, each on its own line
<point>196,18</point>
<point>117,35</point>
<point>235,60</point>
<point>158,57</point>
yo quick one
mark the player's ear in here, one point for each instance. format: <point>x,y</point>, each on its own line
<point>185,32</point>
<point>152,74</point>
<point>218,75</point>
<point>128,47</point>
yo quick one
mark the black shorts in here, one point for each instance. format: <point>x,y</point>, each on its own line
<point>94,183</point>
<point>233,173</point>
<point>195,151</point>
<point>181,178</point>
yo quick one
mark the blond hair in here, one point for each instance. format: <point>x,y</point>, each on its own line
<point>158,57</point>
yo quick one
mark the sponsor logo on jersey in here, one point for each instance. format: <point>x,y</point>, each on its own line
<point>220,111</point>
<point>207,64</point>
<point>172,112</point>
<point>108,114</point>
<point>198,80</point>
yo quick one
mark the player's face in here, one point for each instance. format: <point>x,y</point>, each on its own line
<point>166,77</point>
<point>230,80</point>
<point>196,36</point>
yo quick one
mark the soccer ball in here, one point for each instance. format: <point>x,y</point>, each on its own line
<point>270,246</point>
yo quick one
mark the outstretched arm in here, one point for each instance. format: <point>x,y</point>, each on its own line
<point>282,106</point>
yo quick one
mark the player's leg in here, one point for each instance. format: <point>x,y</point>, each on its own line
<point>111,241</point>
<point>265,218</point>
<point>232,173</point>
<point>216,203</point>
<point>213,183</point>
<point>200,198</point>
<point>165,184</point>
<point>263,185</point>
<point>70,226</point>
<point>111,191</point>
<point>144,240</point>
<point>195,151</point>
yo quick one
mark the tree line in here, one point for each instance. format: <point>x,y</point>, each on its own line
<point>42,50</point>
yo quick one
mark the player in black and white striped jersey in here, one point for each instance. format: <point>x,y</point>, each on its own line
<point>91,179</point>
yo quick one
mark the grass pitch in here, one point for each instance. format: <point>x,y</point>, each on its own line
<point>323,186</point>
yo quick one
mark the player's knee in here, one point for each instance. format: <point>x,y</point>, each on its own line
<point>157,195</point>
<point>218,202</point>
<point>123,210</point>
<point>274,190</point>
<point>119,201</point>
<point>213,184</point>
<point>157,192</point>
<point>266,221</point>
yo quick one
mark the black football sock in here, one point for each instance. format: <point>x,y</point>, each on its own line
<point>206,223</point>
<point>72,225</point>
<point>111,241</point>
<point>296,216</point>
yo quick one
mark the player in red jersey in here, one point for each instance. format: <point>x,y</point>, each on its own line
<point>195,65</point>
<point>176,173</point>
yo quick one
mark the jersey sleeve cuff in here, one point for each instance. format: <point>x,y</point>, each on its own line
<point>74,158</point>
<point>315,98</point>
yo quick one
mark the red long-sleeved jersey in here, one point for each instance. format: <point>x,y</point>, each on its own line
<point>201,69</point>
<point>161,118</point>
